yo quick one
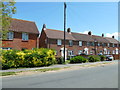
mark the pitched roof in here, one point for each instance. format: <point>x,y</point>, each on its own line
<point>100,39</point>
<point>19,25</point>
<point>112,40</point>
<point>83,37</point>
<point>57,34</point>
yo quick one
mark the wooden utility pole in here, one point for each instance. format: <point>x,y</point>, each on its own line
<point>64,27</point>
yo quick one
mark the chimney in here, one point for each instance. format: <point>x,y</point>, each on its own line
<point>69,30</point>
<point>113,37</point>
<point>89,33</point>
<point>102,35</point>
<point>44,27</point>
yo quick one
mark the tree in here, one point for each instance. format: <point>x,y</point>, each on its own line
<point>7,9</point>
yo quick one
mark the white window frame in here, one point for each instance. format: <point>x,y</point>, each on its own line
<point>80,52</point>
<point>80,43</point>
<point>59,42</point>
<point>10,35</point>
<point>98,44</point>
<point>70,52</point>
<point>70,43</point>
<point>25,36</point>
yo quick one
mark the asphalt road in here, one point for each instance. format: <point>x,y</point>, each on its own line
<point>95,77</point>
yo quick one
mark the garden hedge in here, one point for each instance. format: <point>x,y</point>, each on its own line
<point>27,58</point>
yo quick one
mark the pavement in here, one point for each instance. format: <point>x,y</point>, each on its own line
<point>95,77</point>
<point>53,66</point>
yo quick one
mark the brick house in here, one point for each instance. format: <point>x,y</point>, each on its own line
<point>22,35</point>
<point>77,43</point>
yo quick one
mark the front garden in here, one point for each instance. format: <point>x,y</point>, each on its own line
<point>39,58</point>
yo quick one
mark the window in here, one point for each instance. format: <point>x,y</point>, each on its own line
<point>91,52</point>
<point>105,51</point>
<point>88,43</point>
<point>80,43</point>
<point>6,48</point>
<point>92,44</point>
<point>108,44</point>
<point>108,51</point>
<point>113,45</point>
<point>10,35</point>
<point>59,42</point>
<point>116,50</point>
<point>70,53</point>
<point>70,42</point>
<point>80,52</point>
<point>98,44</point>
<point>113,51</point>
<point>24,36</point>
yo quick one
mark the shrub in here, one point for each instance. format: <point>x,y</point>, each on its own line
<point>78,59</point>
<point>60,60</point>
<point>102,57</point>
<point>27,58</point>
<point>93,58</point>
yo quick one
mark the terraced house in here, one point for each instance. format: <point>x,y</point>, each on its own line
<point>77,43</point>
<point>22,35</point>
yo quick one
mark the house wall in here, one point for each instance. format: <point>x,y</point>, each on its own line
<point>43,40</point>
<point>75,48</point>
<point>18,43</point>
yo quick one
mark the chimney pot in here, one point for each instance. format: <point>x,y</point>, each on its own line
<point>69,30</point>
<point>89,33</point>
<point>102,35</point>
<point>44,26</point>
<point>113,37</point>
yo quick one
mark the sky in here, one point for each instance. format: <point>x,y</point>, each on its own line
<point>98,17</point>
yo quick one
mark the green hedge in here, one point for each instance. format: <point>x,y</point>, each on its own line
<point>27,58</point>
<point>94,58</point>
<point>78,59</point>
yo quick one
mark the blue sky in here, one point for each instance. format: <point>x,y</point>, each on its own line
<point>98,17</point>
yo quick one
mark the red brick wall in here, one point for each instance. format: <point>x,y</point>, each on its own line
<point>43,40</point>
<point>18,44</point>
<point>53,44</point>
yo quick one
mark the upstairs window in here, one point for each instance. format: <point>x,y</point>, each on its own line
<point>10,35</point>
<point>59,42</point>
<point>25,36</point>
<point>108,44</point>
<point>80,43</point>
<point>88,43</point>
<point>70,43</point>
<point>98,44</point>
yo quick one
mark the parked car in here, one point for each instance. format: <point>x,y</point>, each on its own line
<point>109,57</point>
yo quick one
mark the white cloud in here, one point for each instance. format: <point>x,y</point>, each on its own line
<point>115,34</point>
<point>85,32</point>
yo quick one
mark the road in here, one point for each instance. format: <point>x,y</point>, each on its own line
<point>96,77</point>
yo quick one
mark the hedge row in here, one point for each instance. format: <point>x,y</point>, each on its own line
<point>27,58</point>
<point>92,58</point>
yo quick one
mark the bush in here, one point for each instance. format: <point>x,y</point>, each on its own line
<point>27,58</point>
<point>102,57</point>
<point>60,60</point>
<point>93,58</point>
<point>78,59</point>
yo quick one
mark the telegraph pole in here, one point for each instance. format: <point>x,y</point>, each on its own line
<point>64,27</point>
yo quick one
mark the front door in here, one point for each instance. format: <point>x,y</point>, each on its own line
<point>62,53</point>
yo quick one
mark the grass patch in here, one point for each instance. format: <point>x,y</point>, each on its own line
<point>7,73</point>
<point>47,69</point>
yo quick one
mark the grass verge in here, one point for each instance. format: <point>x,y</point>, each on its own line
<point>50,69</point>
<point>7,73</point>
